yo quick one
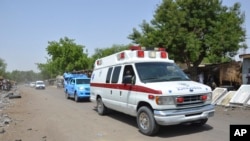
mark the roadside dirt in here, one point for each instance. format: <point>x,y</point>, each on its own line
<point>44,117</point>
<point>26,115</point>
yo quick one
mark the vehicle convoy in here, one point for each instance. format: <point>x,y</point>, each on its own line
<point>77,86</point>
<point>148,85</point>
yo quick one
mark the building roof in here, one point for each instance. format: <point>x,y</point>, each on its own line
<point>244,56</point>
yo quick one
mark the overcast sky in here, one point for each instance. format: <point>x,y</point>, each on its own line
<point>26,26</point>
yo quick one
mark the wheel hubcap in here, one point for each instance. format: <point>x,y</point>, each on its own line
<point>144,121</point>
<point>99,106</point>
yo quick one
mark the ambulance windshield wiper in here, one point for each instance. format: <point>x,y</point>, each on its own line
<point>177,78</point>
<point>153,79</point>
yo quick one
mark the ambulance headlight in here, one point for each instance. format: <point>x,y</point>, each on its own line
<point>164,100</point>
<point>209,97</point>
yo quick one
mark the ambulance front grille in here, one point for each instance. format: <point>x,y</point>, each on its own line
<point>191,100</point>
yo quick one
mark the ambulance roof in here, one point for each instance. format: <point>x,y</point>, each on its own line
<point>135,54</point>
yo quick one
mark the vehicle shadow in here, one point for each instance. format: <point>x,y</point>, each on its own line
<point>165,131</point>
<point>82,100</point>
<point>181,130</point>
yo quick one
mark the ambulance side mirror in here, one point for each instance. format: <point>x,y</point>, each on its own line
<point>127,79</point>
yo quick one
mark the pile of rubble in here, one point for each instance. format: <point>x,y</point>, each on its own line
<point>5,101</point>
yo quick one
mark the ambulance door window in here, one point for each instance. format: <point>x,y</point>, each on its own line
<point>109,75</point>
<point>128,73</point>
<point>116,74</point>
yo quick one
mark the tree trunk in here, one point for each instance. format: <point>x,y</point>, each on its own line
<point>193,73</point>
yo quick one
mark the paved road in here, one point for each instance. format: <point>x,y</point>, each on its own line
<point>46,115</point>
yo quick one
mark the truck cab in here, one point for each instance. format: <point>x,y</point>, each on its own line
<point>77,87</point>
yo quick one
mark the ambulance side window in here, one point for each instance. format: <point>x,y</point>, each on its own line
<point>116,73</point>
<point>128,70</point>
<point>109,75</point>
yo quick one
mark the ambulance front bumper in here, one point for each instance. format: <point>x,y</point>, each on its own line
<point>173,117</point>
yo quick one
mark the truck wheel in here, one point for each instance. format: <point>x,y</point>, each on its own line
<point>146,122</point>
<point>76,98</point>
<point>66,95</point>
<point>101,108</point>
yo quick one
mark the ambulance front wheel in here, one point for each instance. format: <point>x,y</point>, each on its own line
<point>101,108</point>
<point>146,122</point>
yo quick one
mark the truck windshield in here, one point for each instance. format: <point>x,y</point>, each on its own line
<point>82,81</point>
<point>159,72</point>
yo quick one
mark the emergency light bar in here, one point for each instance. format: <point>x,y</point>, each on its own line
<point>136,48</point>
<point>143,48</point>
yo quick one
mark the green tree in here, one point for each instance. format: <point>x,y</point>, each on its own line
<point>99,53</point>
<point>64,55</point>
<point>192,30</point>
<point>2,67</point>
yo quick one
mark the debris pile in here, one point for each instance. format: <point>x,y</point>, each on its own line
<point>5,101</point>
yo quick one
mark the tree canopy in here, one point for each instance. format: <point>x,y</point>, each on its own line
<point>192,30</point>
<point>64,55</point>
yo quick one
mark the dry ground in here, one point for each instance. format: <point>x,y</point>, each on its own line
<point>43,117</point>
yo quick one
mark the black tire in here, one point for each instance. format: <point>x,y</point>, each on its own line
<point>76,97</point>
<point>146,122</point>
<point>200,122</point>
<point>66,94</point>
<point>14,96</point>
<point>100,107</point>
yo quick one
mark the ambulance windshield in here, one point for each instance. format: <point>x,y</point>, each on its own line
<point>159,72</point>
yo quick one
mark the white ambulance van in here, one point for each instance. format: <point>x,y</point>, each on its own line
<point>148,85</point>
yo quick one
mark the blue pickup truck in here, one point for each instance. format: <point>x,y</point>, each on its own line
<point>77,86</point>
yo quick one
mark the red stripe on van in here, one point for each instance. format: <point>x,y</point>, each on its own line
<point>127,87</point>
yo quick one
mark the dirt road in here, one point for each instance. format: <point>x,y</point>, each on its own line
<point>46,115</point>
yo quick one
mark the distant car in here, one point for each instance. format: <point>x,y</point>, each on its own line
<point>32,84</point>
<point>40,85</point>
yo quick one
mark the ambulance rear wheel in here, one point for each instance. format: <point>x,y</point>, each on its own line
<point>101,108</point>
<point>146,122</point>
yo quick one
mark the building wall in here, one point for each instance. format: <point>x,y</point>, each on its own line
<point>245,68</point>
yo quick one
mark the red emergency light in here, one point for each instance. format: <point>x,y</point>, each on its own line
<point>164,54</point>
<point>99,62</point>
<point>135,48</point>
<point>121,56</point>
<point>140,53</point>
<point>160,49</point>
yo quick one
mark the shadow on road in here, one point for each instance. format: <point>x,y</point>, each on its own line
<point>183,129</point>
<point>165,131</point>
